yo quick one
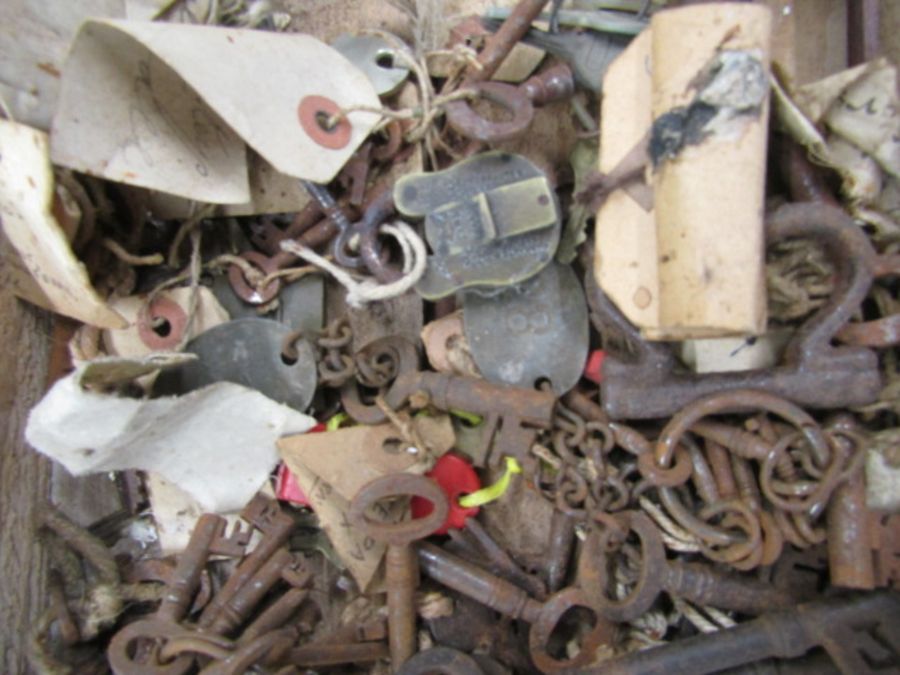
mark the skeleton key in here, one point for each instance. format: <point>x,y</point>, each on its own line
<point>553,84</point>
<point>859,633</point>
<point>522,411</point>
<point>814,374</point>
<point>266,516</point>
<point>693,581</point>
<point>206,537</point>
<point>508,599</point>
<point>401,574</point>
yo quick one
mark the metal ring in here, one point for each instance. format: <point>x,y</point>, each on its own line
<point>666,476</point>
<point>463,118</point>
<point>162,308</point>
<point>393,485</point>
<point>241,285</point>
<point>737,400</point>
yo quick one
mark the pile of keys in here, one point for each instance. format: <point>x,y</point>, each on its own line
<point>600,508</point>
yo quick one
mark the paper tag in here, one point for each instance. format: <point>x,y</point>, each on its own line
<point>128,341</point>
<point>270,192</point>
<point>26,202</point>
<point>349,458</point>
<point>331,468</point>
<point>171,107</point>
<point>360,553</point>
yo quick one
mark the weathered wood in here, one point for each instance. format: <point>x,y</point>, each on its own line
<point>24,475</point>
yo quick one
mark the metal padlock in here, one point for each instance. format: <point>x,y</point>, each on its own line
<point>491,220</point>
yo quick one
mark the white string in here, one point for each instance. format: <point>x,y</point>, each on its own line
<point>360,293</point>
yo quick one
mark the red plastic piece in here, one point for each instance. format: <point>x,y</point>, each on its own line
<point>593,368</point>
<point>287,489</point>
<point>457,478</point>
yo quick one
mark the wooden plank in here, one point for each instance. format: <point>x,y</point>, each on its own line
<point>24,475</point>
<point>809,38</point>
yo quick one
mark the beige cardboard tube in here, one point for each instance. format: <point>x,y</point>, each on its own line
<point>710,74</point>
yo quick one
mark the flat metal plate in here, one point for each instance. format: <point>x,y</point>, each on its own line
<point>375,57</point>
<point>534,331</point>
<point>247,352</point>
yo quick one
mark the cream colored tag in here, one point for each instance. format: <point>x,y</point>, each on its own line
<point>693,266</point>
<point>172,107</point>
<point>26,209</point>
<point>129,342</point>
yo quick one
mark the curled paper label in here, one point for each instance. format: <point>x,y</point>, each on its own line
<point>174,107</point>
<point>62,283</point>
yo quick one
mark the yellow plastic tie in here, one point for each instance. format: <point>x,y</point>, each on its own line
<point>469,418</point>
<point>492,492</point>
<point>335,421</point>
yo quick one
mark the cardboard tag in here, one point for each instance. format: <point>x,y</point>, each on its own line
<point>331,468</point>
<point>171,107</point>
<point>128,341</point>
<point>270,192</point>
<point>26,210</point>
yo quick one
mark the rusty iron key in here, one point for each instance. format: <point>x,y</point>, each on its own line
<point>506,598</point>
<point>815,374</point>
<point>859,633</point>
<point>696,582</point>
<point>401,571</point>
<point>276,526</point>
<point>555,83</point>
<point>208,536</point>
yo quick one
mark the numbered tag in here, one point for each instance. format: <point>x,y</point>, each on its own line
<point>531,333</point>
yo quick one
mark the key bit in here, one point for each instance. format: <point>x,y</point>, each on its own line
<point>233,545</point>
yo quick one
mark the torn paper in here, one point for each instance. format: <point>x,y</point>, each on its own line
<point>174,107</point>
<point>849,122</point>
<point>27,214</point>
<point>216,443</point>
